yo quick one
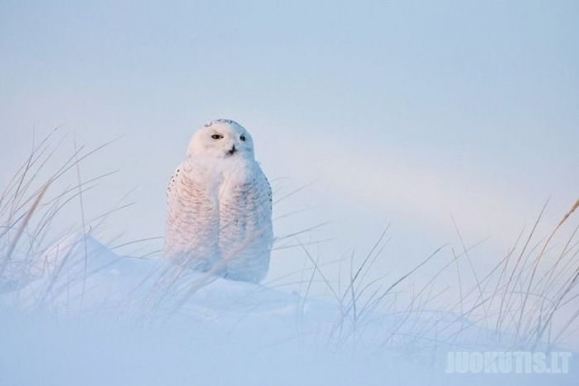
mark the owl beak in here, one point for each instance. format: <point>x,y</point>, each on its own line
<point>232,150</point>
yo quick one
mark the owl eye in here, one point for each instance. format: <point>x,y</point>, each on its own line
<point>216,136</point>
<point>242,137</point>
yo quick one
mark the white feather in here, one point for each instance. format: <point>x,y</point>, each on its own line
<point>219,206</point>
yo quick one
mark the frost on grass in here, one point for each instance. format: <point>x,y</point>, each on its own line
<point>72,311</point>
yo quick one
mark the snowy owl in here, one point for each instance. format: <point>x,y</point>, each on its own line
<point>219,206</point>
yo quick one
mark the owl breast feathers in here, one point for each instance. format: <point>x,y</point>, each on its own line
<point>219,206</point>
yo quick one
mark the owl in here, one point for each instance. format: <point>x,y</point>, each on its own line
<point>219,206</point>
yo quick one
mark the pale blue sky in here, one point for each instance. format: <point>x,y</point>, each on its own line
<point>402,112</point>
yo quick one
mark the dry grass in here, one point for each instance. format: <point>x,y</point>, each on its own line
<point>531,287</point>
<point>516,301</point>
<point>29,215</point>
<point>519,299</point>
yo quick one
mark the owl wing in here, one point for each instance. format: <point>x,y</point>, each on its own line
<point>192,225</point>
<point>246,232</point>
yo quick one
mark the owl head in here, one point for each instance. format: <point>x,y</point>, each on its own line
<point>221,138</point>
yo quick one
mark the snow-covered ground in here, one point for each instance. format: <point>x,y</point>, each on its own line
<point>81,315</point>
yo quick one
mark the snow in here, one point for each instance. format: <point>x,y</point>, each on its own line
<point>84,315</point>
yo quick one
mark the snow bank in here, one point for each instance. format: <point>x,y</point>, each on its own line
<point>86,316</point>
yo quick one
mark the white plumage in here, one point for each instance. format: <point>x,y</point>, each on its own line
<point>219,206</point>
